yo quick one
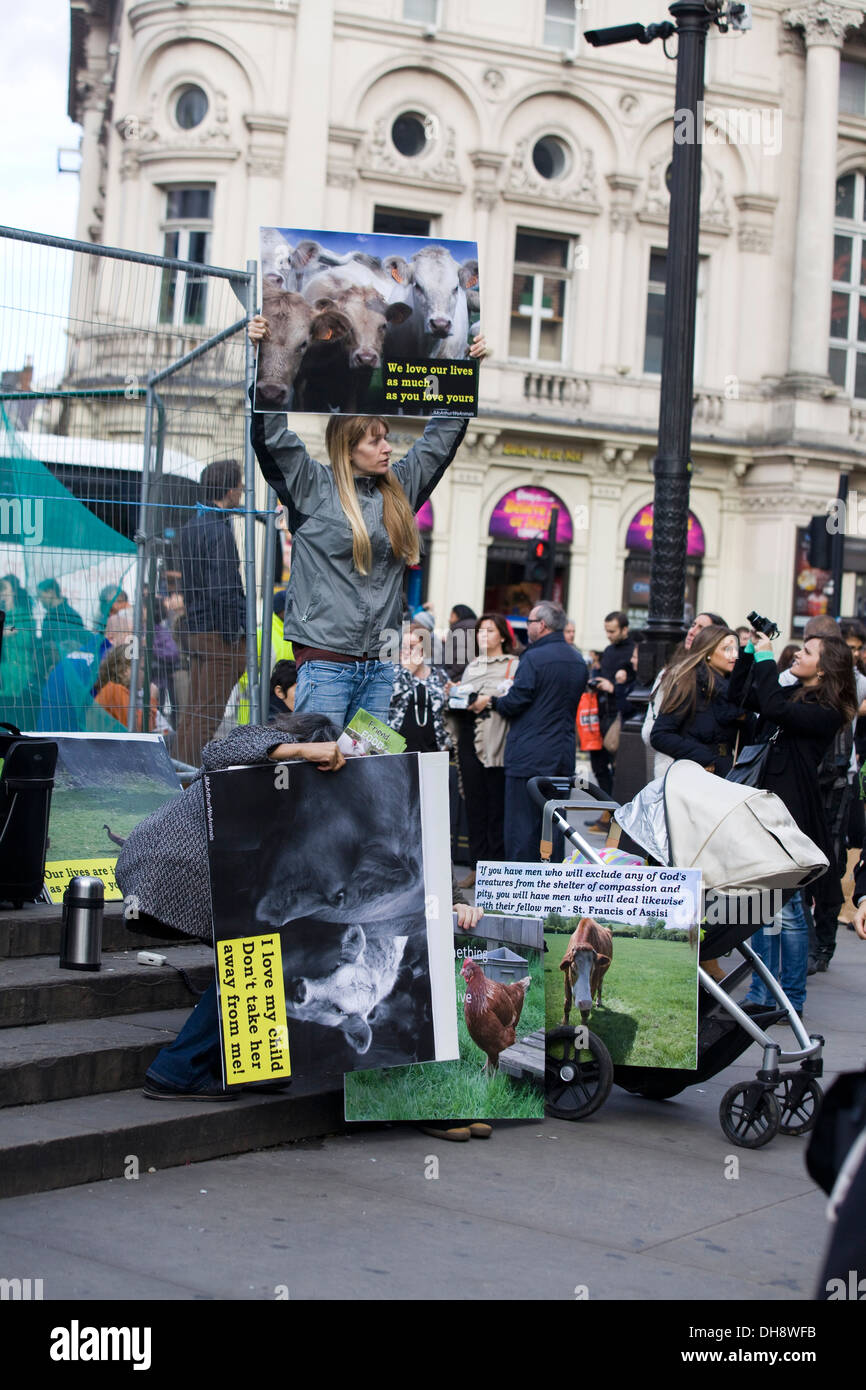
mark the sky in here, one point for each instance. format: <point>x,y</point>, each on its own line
<point>34,57</point>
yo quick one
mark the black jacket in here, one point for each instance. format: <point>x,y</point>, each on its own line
<point>210,565</point>
<point>542,708</point>
<point>707,735</point>
<point>615,657</point>
<point>807,729</point>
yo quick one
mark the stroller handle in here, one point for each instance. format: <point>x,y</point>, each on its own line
<point>544,789</point>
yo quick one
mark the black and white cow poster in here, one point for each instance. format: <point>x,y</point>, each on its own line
<point>332,917</point>
<point>367,324</point>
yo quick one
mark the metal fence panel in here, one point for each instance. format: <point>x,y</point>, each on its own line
<point>123,376</point>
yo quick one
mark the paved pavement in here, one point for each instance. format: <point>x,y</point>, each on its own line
<point>644,1201</point>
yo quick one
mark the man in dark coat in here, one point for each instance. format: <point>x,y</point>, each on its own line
<point>215,609</point>
<point>616,657</point>
<point>541,707</point>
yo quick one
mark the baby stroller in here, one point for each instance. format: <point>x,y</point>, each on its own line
<point>685,820</point>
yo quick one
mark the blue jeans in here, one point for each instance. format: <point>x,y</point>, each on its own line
<point>340,688</point>
<point>193,1060</point>
<point>784,949</point>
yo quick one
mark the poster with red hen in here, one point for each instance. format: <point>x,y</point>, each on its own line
<point>499,1075</point>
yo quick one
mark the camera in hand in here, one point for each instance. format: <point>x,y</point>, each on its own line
<point>461,697</point>
<point>765,626</point>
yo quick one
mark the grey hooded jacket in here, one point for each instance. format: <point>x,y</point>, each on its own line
<point>328,603</point>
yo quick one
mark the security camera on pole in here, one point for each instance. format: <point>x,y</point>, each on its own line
<point>672,465</point>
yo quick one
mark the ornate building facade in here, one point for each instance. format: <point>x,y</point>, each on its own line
<point>492,120</point>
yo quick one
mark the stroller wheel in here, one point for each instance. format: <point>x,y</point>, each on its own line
<point>799,1097</point>
<point>577,1080</point>
<point>749,1115</point>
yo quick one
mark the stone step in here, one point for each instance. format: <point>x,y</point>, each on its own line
<point>89,1138</point>
<point>82,1057</point>
<point>37,991</point>
<point>34,930</point>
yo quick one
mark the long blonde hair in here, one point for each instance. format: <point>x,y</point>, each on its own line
<point>343,433</point>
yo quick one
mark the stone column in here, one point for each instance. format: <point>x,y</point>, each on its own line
<point>617,304</point>
<point>603,571</point>
<point>824,24</point>
<point>307,143</point>
<point>455,572</point>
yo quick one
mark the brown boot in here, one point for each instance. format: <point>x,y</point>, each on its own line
<point>602,825</point>
<point>714,970</point>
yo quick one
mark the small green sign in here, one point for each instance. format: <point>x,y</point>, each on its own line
<point>378,737</point>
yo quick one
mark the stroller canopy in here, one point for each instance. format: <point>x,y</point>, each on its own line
<point>741,838</point>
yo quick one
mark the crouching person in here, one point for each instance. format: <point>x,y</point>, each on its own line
<point>164,867</point>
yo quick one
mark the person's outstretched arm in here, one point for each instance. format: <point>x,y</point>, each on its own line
<point>249,744</point>
<point>420,471</point>
<point>298,480</point>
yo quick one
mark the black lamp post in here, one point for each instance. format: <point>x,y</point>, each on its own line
<point>672,465</point>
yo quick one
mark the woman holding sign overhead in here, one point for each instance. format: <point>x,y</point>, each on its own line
<point>353,533</point>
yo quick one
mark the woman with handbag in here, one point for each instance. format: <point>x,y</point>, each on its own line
<point>801,720</point>
<point>481,741</point>
<point>696,717</point>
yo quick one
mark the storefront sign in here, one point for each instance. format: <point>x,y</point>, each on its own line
<point>531,451</point>
<point>525,512</point>
<point>813,588</point>
<point>640,532</point>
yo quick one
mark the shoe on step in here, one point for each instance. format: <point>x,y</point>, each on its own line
<point>458,1135</point>
<point>214,1091</point>
<point>479,1130</point>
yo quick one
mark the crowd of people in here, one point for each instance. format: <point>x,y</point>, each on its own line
<point>505,710</point>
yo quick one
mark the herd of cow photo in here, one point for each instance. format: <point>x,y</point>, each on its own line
<point>341,306</point>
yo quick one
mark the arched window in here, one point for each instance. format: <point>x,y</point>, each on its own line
<point>847,364</point>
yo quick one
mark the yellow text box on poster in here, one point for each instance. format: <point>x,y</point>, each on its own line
<point>58,873</point>
<point>253,1009</point>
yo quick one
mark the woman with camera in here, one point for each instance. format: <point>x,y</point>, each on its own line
<point>802,719</point>
<point>696,718</point>
<point>481,741</point>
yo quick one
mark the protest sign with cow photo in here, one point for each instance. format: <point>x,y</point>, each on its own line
<point>622,951</point>
<point>499,1075</point>
<point>331,911</point>
<point>367,324</point>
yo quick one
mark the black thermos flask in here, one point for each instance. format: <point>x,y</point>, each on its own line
<point>81,938</point>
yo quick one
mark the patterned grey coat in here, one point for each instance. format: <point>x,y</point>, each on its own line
<point>164,863</point>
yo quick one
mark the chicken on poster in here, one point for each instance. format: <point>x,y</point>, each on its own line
<point>499,988</point>
<point>330,949</point>
<point>367,323</point>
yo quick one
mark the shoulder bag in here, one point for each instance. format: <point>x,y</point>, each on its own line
<point>748,769</point>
